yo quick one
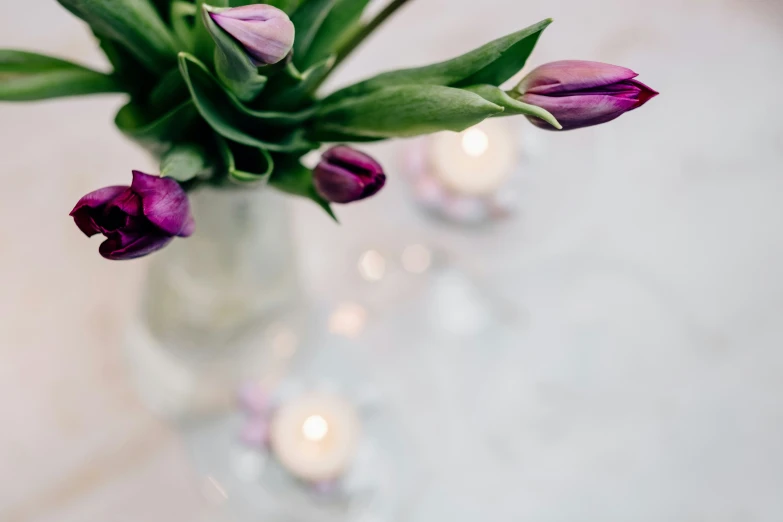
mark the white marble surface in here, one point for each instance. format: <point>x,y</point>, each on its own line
<point>647,260</point>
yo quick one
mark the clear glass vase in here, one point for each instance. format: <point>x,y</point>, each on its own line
<point>220,307</point>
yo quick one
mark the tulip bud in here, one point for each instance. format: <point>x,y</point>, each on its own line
<point>581,94</point>
<point>345,175</point>
<point>135,220</point>
<point>266,32</point>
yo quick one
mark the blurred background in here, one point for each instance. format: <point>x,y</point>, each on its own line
<point>633,296</point>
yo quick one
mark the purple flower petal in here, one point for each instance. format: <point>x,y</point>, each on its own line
<point>127,202</point>
<point>120,246</point>
<point>572,75</point>
<point>345,175</point>
<point>82,213</point>
<point>254,12</point>
<point>188,228</point>
<point>581,94</point>
<point>645,93</point>
<point>578,111</point>
<point>164,203</point>
<point>337,184</point>
<point>120,213</point>
<point>353,159</point>
<point>266,32</point>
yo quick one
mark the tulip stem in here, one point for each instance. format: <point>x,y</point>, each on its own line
<point>362,34</point>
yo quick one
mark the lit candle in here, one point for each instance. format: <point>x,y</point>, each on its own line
<point>315,436</point>
<point>474,162</point>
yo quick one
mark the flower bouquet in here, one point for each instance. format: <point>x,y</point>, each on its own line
<point>227,93</point>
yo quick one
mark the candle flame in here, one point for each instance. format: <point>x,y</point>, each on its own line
<point>475,142</point>
<point>315,428</point>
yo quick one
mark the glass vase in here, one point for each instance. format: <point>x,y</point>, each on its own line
<point>219,308</point>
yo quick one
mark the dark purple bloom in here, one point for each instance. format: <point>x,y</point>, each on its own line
<point>266,32</point>
<point>136,220</point>
<point>345,175</point>
<point>581,94</point>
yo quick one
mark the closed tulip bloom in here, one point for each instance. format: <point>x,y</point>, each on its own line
<point>266,32</point>
<point>581,94</point>
<point>345,175</point>
<point>135,220</point>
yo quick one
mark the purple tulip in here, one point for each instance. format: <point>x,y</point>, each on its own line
<point>136,220</point>
<point>581,94</point>
<point>345,175</point>
<point>266,32</point>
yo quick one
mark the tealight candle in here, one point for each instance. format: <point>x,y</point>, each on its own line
<point>474,162</point>
<point>315,436</point>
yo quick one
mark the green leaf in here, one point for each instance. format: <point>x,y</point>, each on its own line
<point>163,7</point>
<point>406,110</point>
<point>307,20</point>
<point>155,133</point>
<point>183,162</point>
<point>289,6</point>
<point>293,178</point>
<point>129,72</point>
<point>183,22</point>
<point>512,54</point>
<point>203,44</point>
<point>28,76</point>
<point>329,136</point>
<point>290,71</point>
<point>511,106</point>
<point>229,118</point>
<point>339,25</point>
<point>287,93</point>
<point>133,23</point>
<point>232,63</point>
<point>246,164</point>
<point>170,91</point>
<point>493,64</point>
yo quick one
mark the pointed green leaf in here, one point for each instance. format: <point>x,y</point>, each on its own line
<point>406,110</point>
<point>339,25</point>
<point>294,178</point>
<point>28,76</point>
<point>183,162</point>
<point>330,136</point>
<point>246,164</point>
<point>227,116</point>
<point>133,23</point>
<point>163,7</point>
<point>277,117</point>
<point>183,22</point>
<point>307,19</point>
<point>126,67</point>
<point>512,54</point>
<point>170,91</point>
<point>129,72</point>
<point>493,64</point>
<point>203,44</point>
<point>287,93</point>
<point>512,106</point>
<point>232,63</point>
<point>155,133</point>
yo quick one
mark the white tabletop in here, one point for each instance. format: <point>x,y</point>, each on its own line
<point>647,255</point>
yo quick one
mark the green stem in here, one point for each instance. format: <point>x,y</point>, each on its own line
<point>361,35</point>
